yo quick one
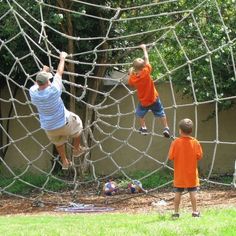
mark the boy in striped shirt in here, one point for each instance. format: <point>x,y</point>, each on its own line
<point>58,123</point>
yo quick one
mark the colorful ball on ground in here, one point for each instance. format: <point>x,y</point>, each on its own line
<point>110,188</point>
<point>135,186</point>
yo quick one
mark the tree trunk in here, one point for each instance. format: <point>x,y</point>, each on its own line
<point>1,123</point>
<point>95,84</point>
<point>71,66</point>
<point>89,112</point>
<point>4,151</point>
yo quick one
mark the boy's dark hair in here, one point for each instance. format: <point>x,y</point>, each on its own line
<point>186,125</point>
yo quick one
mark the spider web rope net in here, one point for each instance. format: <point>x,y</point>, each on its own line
<point>109,109</point>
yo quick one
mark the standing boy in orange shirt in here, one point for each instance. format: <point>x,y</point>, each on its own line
<point>185,151</point>
<point>140,78</point>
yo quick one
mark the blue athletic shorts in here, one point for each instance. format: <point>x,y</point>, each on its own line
<point>156,108</point>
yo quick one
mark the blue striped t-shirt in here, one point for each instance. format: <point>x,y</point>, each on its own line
<point>51,109</point>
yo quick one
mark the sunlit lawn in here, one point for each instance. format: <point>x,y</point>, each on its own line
<point>213,222</point>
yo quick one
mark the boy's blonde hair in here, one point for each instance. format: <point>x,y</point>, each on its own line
<point>138,64</point>
<point>186,126</point>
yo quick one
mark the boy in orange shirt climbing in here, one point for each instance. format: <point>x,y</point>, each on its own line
<point>185,151</point>
<point>140,78</point>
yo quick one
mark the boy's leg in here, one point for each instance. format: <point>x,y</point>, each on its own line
<point>77,148</point>
<point>142,123</point>
<point>143,129</point>
<point>193,198</point>
<point>59,141</point>
<point>140,113</point>
<point>166,131</point>
<point>75,128</point>
<point>177,199</point>
<point>164,122</point>
<point>62,153</point>
<point>177,202</point>
<point>76,143</point>
<point>158,111</point>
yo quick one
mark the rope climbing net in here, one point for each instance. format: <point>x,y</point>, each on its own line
<point>188,40</point>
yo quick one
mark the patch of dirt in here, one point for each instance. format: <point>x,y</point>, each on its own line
<point>122,202</point>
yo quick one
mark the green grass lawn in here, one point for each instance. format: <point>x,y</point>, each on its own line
<point>215,222</point>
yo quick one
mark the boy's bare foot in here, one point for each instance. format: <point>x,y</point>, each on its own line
<point>66,165</point>
<point>78,152</point>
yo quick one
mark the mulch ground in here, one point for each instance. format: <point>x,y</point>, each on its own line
<point>122,202</point>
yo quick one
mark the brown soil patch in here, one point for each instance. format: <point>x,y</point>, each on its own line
<point>127,203</point>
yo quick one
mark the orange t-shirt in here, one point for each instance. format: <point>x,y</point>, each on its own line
<point>185,152</point>
<point>146,91</point>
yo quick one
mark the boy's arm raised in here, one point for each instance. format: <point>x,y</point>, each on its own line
<point>61,65</point>
<point>146,59</point>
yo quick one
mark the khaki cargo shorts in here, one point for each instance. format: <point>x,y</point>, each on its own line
<point>71,129</point>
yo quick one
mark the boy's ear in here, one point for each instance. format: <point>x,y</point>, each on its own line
<point>131,70</point>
